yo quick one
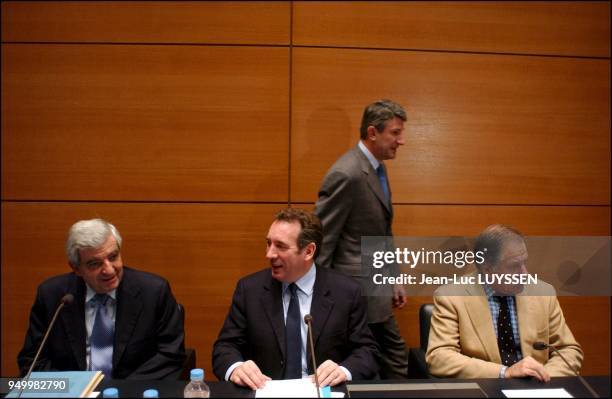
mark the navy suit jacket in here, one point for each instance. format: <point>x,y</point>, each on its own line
<point>149,337</point>
<point>255,328</point>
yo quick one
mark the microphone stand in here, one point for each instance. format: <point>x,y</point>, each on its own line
<point>541,345</point>
<point>66,299</point>
<point>584,382</point>
<point>308,321</point>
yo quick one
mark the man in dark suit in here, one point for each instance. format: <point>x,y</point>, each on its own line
<point>264,335</point>
<point>355,201</point>
<point>123,322</point>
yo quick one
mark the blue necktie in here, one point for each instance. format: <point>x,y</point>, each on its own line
<point>101,340</point>
<point>380,171</point>
<point>293,336</point>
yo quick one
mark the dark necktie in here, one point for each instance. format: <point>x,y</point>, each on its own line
<point>101,340</point>
<point>505,337</point>
<point>382,176</point>
<point>293,336</point>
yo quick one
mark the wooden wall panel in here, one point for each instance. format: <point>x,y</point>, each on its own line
<point>560,28</point>
<point>469,220</point>
<point>220,22</point>
<point>482,129</point>
<point>589,319</point>
<point>202,249</point>
<point>154,123</point>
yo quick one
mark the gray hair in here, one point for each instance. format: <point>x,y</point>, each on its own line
<point>491,240</point>
<point>88,234</point>
<point>378,114</point>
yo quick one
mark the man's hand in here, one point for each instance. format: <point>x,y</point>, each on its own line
<point>399,296</point>
<point>248,374</point>
<point>330,374</point>
<point>528,367</point>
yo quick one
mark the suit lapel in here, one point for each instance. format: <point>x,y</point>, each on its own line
<point>390,203</point>
<point>372,180</point>
<point>272,304</point>
<point>129,307</point>
<point>320,308</point>
<point>478,310</point>
<point>527,321</point>
<point>73,318</point>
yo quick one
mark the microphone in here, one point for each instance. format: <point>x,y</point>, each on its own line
<point>66,300</point>
<point>539,345</point>
<point>308,321</point>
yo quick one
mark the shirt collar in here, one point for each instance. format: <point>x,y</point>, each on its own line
<point>306,282</point>
<point>488,291</point>
<point>368,155</point>
<point>91,293</point>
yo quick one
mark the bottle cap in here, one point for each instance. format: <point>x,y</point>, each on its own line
<point>197,374</point>
<point>150,393</point>
<point>110,393</point>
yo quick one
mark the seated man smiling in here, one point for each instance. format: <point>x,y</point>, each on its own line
<point>123,322</point>
<point>264,335</point>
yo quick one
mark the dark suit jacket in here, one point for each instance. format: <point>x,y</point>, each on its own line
<point>352,204</point>
<point>149,337</point>
<point>255,329</point>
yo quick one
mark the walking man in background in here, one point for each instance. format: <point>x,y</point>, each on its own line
<point>355,201</point>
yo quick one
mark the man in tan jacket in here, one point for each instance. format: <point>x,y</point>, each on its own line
<point>470,323</point>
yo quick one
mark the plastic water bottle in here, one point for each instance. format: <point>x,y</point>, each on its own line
<point>110,393</point>
<point>150,393</point>
<point>197,388</point>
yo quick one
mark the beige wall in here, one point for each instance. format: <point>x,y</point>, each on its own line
<point>189,124</point>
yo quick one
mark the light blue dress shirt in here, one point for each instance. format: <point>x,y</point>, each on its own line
<point>373,161</point>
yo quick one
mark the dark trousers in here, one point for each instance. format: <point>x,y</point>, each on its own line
<point>394,362</point>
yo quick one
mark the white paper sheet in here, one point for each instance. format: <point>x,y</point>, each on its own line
<point>536,393</point>
<point>298,388</point>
